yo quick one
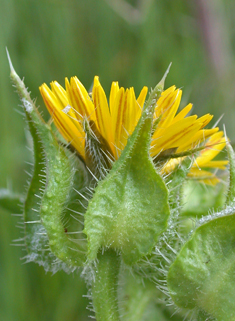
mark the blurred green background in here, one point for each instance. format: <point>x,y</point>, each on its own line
<point>130,41</point>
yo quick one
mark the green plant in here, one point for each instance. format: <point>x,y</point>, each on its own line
<point>119,217</point>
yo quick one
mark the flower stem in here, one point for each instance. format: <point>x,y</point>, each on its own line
<point>104,289</point>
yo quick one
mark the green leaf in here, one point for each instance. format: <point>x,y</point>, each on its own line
<point>36,239</point>
<point>38,236</point>
<point>11,202</point>
<point>50,194</point>
<point>59,185</point>
<point>130,206</point>
<point>202,275</point>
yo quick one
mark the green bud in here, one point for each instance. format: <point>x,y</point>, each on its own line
<point>51,195</point>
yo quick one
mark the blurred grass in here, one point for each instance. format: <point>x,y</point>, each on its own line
<point>49,40</point>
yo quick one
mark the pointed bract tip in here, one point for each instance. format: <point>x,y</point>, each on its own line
<point>10,63</point>
<point>225,135</point>
<point>162,81</point>
<point>20,86</point>
<point>229,148</point>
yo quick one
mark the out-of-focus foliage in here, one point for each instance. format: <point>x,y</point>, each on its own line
<point>52,39</point>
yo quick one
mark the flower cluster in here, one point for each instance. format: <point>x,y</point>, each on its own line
<point>174,135</point>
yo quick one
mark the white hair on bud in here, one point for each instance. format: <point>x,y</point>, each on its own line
<point>27,105</point>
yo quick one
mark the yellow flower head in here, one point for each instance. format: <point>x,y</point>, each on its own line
<point>111,122</point>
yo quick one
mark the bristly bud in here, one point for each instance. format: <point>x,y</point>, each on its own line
<point>50,195</point>
<point>98,155</point>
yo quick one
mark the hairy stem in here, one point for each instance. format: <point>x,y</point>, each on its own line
<point>104,288</point>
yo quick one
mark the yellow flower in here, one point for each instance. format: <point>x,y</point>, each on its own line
<point>173,136</point>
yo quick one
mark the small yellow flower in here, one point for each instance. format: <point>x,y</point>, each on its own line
<point>174,135</point>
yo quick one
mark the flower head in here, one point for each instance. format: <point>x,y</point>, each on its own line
<point>79,115</point>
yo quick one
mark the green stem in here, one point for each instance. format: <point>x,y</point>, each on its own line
<point>138,298</point>
<point>104,288</point>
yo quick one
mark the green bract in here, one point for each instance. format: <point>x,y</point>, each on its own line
<point>130,206</point>
<point>51,196</point>
<point>202,276</point>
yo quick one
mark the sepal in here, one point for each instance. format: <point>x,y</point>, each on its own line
<point>169,242</point>
<point>52,196</point>
<point>129,209</point>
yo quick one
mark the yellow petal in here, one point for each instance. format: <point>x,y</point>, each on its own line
<point>161,103</point>
<point>170,165</point>
<point>114,123</point>
<point>72,103</point>
<point>142,97</point>
<point>175,135</point>
<point>117,114</point>
<point>79,98</point>
<point>203,176</point>
<point>197,139</point>
<point>62,97</point>
<point>73,134</point>
<point>210,152</point>
<point>128,116</point>
<point>113,93</point>
<point>205,119</point>
<point>139,104</point>
<point>103,116</point>
<point>60,93</point>
<point>182,114</point>
<point>221,164</point>
<point>169,108</point>
<point>215,139</point>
